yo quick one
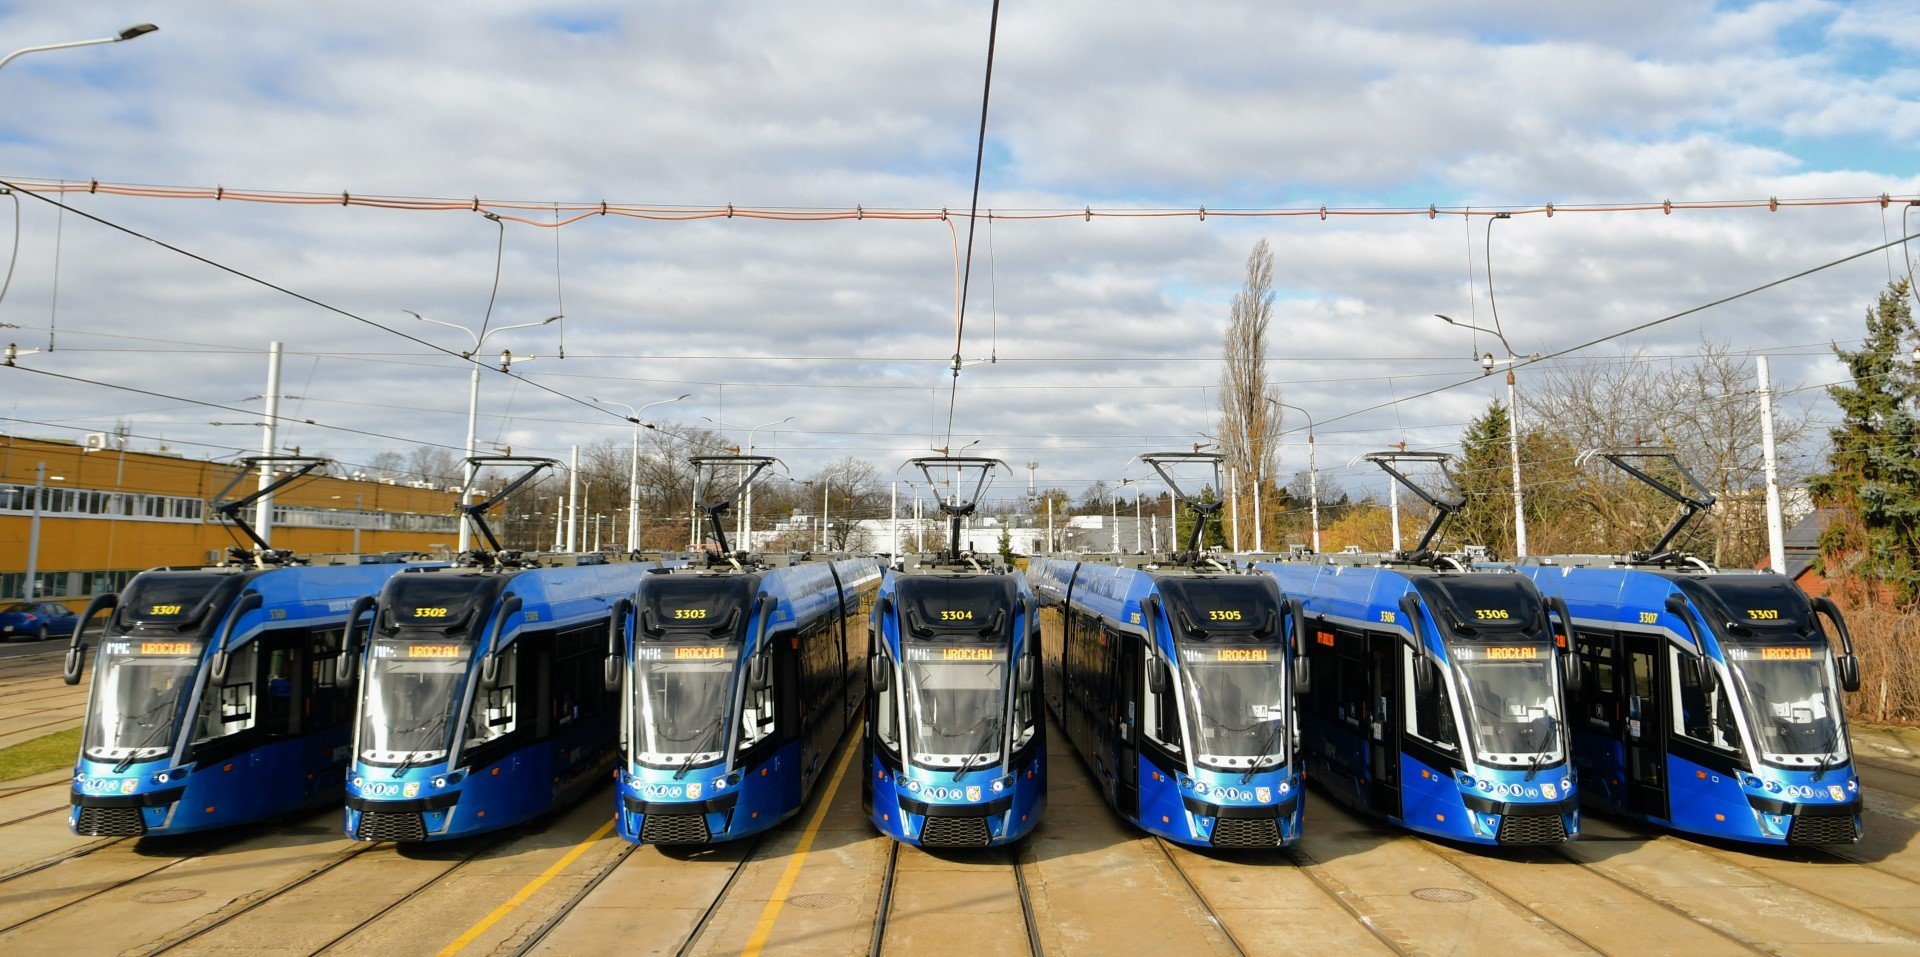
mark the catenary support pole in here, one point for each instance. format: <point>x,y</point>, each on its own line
<point>1776,523</point>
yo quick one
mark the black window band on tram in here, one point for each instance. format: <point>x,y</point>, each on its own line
<point>180,600</point>
<point>694,607</point>
<point>441,603</point>
<point>1752,606</point>
<point>957,607</point>
<point>1484,605</point>
<point>1228,609</point>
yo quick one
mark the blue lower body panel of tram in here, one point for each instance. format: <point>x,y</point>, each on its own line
<point>707,806</point>
<point>1221,809</point>
<point>431,802</point>
<point>153,799</point>
<point>1482,806</point>
<point>1774,806</point>
<point>987,807</point>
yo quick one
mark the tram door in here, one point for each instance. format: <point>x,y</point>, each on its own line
<point>1383,723</point>
<point>1126,697</point>
<point>1646,725</point>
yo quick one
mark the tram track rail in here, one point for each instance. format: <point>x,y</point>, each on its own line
<point>594,880</point>
<point>1634,888</point>
<point>1206,906</point>
<point>1026,897</point>
<point>485,847</point>
<point>1452,858</point>
<point>1344,896</point>
<point>884,908</point>
<point>233,911</point>
<point>96,894</point>
<point>1726,857</point>
<point>34,867</point>
<point>713,907</point>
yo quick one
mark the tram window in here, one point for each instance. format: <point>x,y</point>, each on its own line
<point>492,715</point>
<point>886,710</point>
<point>1701,714</point>
<point>1162,721</point>
<point>1350,696</point>
<point>227,708</point>
<point>1596,694</point>
<point>1429,716</point>
<point>757,715</point>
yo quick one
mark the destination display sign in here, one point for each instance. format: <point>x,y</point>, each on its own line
<point>700,652</point>
<point>1501,652</point>
<point>434,651</point>
<point>1772,652</point>
<point>421,650</point>
<point>168,648</point>
<point>958,653</point>
<point>1243,655</point>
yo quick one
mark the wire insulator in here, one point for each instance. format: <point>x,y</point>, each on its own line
<point>1549,210</point>
<point>1323,212</point>
<point>1884,200</point>
<point>603,207</point>
<point>219,192</point>
<point>1773,204</point>
<point>1666,206</point>
<point>729,210</point>
<point>93,186</point>
<point>859,212</point>
<point>1089,214</point>
<point>1203,214</point>
<point>345,199</point>
<point>1433,212</point>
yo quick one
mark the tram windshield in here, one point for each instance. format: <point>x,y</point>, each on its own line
<point>1237,696</point>
<point>1511,698</point>
<point>683,699</point>
<point>412,689</point>
<point>956,704</point>
<point>1788,696</point>
<point>139,692</point>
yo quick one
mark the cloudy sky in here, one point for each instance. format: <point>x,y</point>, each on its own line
<point>1107,333</point>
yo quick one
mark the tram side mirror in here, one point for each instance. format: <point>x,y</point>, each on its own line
<point>1157,678</point>
<point>879,675</point>
<point>1302,676</point>
<point>348,660</point>
<point>76,659</point>
<point>1849,668</point>
<point>757,672</point>
<point>1026,674</point>
<point>1423,675</point>
<point>1570,671</point>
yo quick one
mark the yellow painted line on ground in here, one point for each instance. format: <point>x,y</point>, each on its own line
<point>473,933</point>
<point>763,929</point>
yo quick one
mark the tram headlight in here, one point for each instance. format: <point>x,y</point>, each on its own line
<point>1467,781</point>
<point>161,778</point>
<point>1566,785</point>
<point>357,780</point>
<point>440,782</point>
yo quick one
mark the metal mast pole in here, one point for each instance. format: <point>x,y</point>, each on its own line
<point>1513,444</point>
<point>1776,524</point>
<point>573,502</point>
<point>33,534</point>
<point>263,510</point>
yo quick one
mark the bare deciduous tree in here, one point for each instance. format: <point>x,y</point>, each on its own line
<point>1249,424</point>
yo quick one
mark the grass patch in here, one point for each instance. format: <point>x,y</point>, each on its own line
<point>51,752</point>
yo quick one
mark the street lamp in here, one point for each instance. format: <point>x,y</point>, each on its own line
<point>1136,515</point>
<point>1313,480</point>
<point>746,516</point>
<point>137,30</point>
<point>473,397</point>
<point>40,480</point>
<point>1487,363</point>
<point>633,470</point>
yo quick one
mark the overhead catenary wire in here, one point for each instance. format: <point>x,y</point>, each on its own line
<point>973,210</point>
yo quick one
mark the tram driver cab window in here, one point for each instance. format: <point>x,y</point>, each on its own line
<point>492,715</point>
<point>757,715</point>
<point>227,706</point>
<point>1162,720</point>
<point>886,707</point>
<point>1700,712</point>
<point>1430,715</point>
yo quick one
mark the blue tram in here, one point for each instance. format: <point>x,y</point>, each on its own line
<point>955,749</point>
<point>1437,692</point>
<point>215,700</point>
<point>1177,688</point>
<point>736,685</point>
<point>483,703</point>
<point>1710,698</point>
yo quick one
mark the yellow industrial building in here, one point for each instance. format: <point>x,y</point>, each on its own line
<point>107,513</point>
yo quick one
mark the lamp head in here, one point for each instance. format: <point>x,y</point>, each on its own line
<point>137,30</point>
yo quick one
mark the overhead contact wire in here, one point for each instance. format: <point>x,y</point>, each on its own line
<point>973,212</point>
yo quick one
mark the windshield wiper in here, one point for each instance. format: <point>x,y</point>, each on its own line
<point>1830,754</point>
<point>432,728</point>
<point>993,728</point>
<point>1273,738</point>
<point>1539,750</point>
<point>693,755</point>
<point>159,728</point>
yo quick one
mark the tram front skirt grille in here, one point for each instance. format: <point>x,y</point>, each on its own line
<point>1532,829</point>
<point>1822,830</point>
<point>955,832</point>
<point>675,829</point>
<point>387,826</point>
<point>111,822</point>
<point>1246,832</point>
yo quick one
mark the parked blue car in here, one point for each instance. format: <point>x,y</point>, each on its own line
<point>37,620</point>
